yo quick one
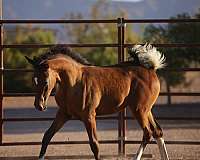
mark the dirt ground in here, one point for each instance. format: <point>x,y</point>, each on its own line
<point>107,130</point>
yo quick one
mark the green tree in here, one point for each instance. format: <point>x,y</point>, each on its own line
<point>177,33</point>
<point>14,57</point>
<point>99,33</point>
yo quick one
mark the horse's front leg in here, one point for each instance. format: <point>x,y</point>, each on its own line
<point>58,122</point>
<point>90,124</point>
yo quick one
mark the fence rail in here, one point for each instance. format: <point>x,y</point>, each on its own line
<point>100,118</point>
<point>121,45</point>
<point>161,94</point>
<point>163,45</point>
<point>121,20</point>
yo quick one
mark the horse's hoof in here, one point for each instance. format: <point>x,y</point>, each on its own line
<point>42,158</point>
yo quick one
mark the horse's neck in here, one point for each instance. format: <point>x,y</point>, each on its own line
<point>70,73</point>
<point>68,70</point>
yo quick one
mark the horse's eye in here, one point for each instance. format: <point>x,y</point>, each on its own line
<point>35,80</point>
<point>45,82</point>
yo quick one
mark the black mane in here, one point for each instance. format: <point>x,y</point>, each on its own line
<point>67,51</point>
<point>63,50</point>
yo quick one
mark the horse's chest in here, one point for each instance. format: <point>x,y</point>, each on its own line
<point>70,100</point>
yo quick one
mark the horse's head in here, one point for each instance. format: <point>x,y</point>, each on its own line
<point>44,81</point>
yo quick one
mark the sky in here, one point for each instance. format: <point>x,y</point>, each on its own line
<point>127,0</point>
<point>56,9</point>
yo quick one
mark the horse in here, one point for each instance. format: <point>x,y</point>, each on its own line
<point>85,91</point>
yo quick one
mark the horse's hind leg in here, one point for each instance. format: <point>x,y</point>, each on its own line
<point>158,136</point>
<point>58,122</point>
<point>140,151</point>
<point>150,128</point>
<point>90,124</point>
<point>142,117</point>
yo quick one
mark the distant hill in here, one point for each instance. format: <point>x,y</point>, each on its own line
<point>56,9</point>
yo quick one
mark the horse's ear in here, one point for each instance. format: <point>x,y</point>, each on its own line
<point>30,61</point>
<point>43,66</point>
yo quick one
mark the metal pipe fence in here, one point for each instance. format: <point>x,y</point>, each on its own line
<point>121,45</point>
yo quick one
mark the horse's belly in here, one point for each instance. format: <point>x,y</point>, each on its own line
<point>110,106</point>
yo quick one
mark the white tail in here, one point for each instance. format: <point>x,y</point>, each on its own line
<point>149,57</point>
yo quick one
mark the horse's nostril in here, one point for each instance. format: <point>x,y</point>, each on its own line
<point>44,108</point>
<point>40,108</point>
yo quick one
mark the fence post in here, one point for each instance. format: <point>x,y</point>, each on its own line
<point>1,75</point>
<point>123,114</point>
<point>119,27</point>
<point>169,101</point>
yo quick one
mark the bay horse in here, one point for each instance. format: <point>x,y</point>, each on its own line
<point>85,91</point>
